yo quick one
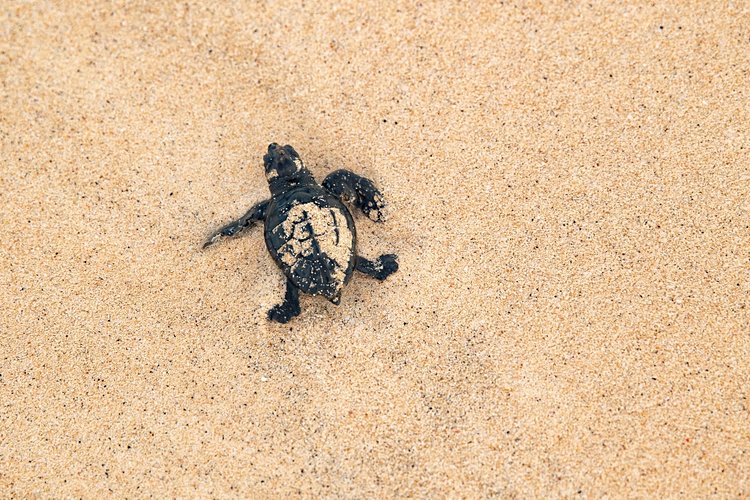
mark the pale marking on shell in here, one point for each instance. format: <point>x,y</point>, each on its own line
<point>334,240</point>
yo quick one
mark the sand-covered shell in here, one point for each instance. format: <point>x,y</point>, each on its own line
<point>312,238</point>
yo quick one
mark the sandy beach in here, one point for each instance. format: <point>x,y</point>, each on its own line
<point>568,193</point>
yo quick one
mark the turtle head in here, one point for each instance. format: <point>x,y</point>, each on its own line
<point>282,163</point>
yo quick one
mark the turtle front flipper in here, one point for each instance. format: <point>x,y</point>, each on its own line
<point>256,213</point>
<point>288,309</point>
<point>359,191</point>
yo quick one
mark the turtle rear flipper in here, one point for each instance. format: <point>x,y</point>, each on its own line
<point>288,309</point>
<point>381,268</point>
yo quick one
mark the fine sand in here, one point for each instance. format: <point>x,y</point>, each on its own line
<point>568,186</point>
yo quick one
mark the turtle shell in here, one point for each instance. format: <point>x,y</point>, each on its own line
<point>311,236</point>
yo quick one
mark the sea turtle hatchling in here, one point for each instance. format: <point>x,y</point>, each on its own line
<point>309,231</point>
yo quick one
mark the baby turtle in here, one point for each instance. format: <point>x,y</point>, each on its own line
<point>309,231</point>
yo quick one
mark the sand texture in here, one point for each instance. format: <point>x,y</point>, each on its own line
<point>568,186</point>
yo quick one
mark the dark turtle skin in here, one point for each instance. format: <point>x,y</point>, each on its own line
<point>309,231</point>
